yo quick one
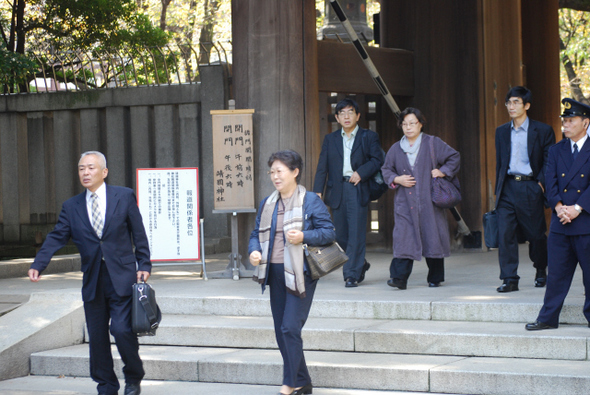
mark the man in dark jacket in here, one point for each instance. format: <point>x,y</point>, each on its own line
<point>522,146</point>
<point>105,224</point>
<point>349,158</point>
<point>568,195</point>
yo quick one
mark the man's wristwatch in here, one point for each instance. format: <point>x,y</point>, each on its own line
<point>578,208</point>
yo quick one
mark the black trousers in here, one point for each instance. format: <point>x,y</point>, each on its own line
<point>401,269</point>
<point>521,205</point>
<point>350,221</point>
<point>289,313</point>
<point>109,306</point>
<point>565,253</point>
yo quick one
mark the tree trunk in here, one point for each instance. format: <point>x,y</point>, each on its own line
<point>165,4</point>
<point>574,81</point>
<point>20,30</point>
<point>206,38</point>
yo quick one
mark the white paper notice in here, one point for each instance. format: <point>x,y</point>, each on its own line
<point>168,200</point>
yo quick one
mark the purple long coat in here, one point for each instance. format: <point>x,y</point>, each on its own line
<point>420,229</point>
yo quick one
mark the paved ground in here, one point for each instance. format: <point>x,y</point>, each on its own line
<point>469,277</point>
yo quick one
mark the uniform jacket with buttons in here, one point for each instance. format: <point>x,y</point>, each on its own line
<point>568,183</point>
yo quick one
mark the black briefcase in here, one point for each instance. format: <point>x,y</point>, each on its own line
<point>145,313</point>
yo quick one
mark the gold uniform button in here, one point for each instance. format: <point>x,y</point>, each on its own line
<point>582,175</point>
<point>563,174</point>
<point>565,190</point>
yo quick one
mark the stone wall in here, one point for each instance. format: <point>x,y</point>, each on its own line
<point>42,136</point>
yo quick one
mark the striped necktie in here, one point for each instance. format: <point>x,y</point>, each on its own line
<point>97,224</point>
<point>575,153</point>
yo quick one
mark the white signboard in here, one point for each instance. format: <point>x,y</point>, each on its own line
<point>168,200</point>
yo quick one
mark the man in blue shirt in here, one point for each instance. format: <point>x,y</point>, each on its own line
<point>522,146</point>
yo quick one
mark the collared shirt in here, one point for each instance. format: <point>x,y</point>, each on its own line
<point>347,143</point>
<point>519,155</point>
<point>580,143</point>
<point>102,202</point>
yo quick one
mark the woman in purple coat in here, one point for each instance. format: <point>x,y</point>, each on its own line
<point>421,228</point>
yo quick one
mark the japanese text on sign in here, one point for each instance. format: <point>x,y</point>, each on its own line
<point>168,201</point>
<point>233,161</point>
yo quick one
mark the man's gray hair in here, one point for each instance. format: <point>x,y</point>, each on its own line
<point>100,155</point>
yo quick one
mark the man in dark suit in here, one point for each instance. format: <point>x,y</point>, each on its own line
<point>522,146</point>
<point>349,158</point>
<point>105,224</point>
<point>568,194</point>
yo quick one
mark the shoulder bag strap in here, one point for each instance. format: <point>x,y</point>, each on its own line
<point>432,152</point>
<point>147,306</point>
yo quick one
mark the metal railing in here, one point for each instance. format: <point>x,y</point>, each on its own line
<point>75,71</point>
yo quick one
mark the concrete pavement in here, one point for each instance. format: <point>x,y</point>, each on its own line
<point>469,294</point>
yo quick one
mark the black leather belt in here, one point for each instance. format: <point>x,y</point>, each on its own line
<point>346,179</point>
<point>521,178</point>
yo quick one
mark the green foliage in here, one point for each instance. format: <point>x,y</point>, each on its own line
<point>14,70</point>
<point>574,32</point>
<point>83,24</point>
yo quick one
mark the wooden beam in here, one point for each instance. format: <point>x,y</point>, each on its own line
<point>342,70</point>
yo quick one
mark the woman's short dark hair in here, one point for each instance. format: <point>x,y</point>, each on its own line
<point>520,91</point>
<point>289,158</point>
<point>411,110</point>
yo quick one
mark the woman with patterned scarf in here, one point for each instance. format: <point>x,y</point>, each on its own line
<point>287,219</point>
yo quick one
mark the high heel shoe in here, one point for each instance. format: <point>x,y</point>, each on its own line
<point>306,389</point>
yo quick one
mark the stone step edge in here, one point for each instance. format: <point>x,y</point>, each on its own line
<point>351,370</point>
<point>468,339</point>
<point>51,385</point>
<point>372,309</point>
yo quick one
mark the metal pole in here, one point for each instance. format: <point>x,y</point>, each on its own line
<point>365,57</point>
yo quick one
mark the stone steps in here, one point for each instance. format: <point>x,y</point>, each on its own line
<point>481,339</point>
<point>356,370</point>
<point>488,310</point>
<point>52,385</point>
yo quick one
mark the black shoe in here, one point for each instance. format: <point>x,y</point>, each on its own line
<point>541,278</point>
<point>394,282</point>
<point>433,285</point>
<point>507,287</point>
<point>351,283</point>
<point>537,326</point>
<point>132,389</point>
<point>366,268</point>
<point>306,389</point>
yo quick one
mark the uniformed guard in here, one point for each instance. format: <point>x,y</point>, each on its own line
<point>568,194</point>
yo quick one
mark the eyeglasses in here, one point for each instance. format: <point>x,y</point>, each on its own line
<point>409,124</point>
<point>513,103</point>
<point>278,172</point>
<point>348,113</point>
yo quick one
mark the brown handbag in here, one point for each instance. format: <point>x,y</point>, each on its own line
<point>324,259</point>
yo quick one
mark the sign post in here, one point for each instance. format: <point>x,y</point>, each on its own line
<point>168,199</point>
<point>233,170</point>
